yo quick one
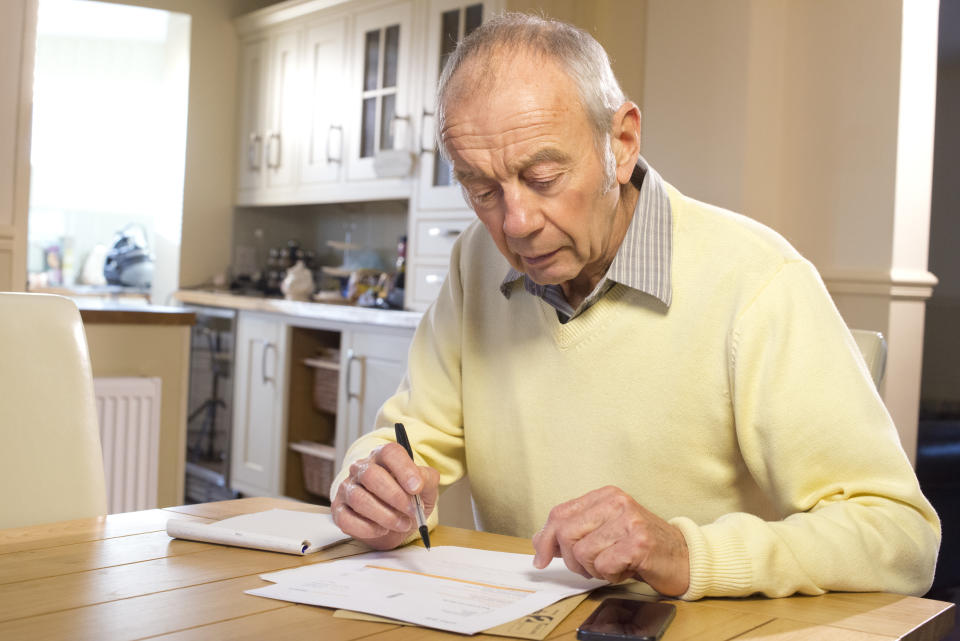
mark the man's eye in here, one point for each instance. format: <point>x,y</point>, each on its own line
<point>484,195</point>
<point>543,183</point>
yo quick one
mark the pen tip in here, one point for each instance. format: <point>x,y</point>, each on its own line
<point>425,535</point>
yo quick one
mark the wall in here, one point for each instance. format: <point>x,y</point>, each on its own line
<point>816,118</point>
<point>619,25</point>
<point>18,26</point>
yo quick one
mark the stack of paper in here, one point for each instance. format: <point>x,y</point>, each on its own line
<point>449,588</point>
<point>274,530</point>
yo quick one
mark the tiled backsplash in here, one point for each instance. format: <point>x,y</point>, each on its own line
<point>374,226</point>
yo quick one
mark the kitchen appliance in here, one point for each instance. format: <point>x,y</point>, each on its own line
<point>210,405</point>
<point>128,261</point>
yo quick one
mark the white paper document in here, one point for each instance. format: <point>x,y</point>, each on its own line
<point>449,588</point>
<point>287,531</point>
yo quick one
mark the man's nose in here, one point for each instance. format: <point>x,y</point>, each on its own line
<point>521,217</point>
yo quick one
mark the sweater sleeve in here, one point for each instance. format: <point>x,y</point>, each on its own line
<point>433,417</point>
<point>818,440</point>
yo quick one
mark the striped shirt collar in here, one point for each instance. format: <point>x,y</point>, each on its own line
<point>643,260</point>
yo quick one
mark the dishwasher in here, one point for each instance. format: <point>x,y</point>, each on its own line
<point>210,405</point>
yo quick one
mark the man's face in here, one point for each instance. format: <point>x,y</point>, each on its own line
<point>526,157</point>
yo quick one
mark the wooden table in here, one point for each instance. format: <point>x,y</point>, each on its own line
<point>121,577</point>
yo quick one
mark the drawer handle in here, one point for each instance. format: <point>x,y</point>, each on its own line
<point>445,233</point>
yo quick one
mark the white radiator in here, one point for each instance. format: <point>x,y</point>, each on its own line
<point>128,411</point>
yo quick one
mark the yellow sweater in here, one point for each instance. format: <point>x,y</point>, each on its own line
<point>743,414</point>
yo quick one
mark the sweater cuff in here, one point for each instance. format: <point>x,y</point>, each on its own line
<point>719,563</point>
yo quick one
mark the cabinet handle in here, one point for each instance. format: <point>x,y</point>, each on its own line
<point>338,146</point>
<point>254,146</point>
<point>351,357</point>
<point>427,142</point>
<point>445,233</point>
<point>433,279</point>
<point>263,362</point>
<point>279,155</point>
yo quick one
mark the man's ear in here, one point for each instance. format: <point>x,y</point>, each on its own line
<point>625,140</point>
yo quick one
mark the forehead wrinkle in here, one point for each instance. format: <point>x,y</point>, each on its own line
<point>525,119</point>
<point>493,142</point>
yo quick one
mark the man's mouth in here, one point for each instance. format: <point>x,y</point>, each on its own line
<point>540,258</point>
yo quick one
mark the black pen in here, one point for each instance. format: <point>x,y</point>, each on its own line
<point>421,519</point>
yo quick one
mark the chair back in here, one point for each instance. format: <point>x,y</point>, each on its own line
<point>873,346</point>
<point>51,466</point>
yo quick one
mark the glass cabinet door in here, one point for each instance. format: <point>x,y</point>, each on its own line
<point>382,49</point>
<point>449,21</point>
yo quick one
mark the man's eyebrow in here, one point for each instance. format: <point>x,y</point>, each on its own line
<point>463,175</point>
<point>545,155</point>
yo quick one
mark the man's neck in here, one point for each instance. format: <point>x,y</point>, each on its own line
<point>577,289</point>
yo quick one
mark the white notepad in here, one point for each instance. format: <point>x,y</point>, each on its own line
<point>286,531</point>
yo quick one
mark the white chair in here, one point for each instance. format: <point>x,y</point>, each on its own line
<point>873,346</point>
<point>51,468</point>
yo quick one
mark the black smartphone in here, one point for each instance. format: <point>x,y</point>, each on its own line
<point>627,620</point>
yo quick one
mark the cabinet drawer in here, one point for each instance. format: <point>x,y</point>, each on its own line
<point>427,280</point>
<point>435,236</point>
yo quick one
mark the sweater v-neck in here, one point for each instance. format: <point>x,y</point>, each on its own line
<point>585,324</point>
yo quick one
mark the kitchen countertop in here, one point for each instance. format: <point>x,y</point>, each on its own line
<point>103,311</point>
<point>303,309</point>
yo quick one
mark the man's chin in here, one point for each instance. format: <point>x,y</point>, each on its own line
<point>546,277</point>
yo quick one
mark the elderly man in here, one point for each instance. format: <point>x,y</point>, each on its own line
<point>650,387</point>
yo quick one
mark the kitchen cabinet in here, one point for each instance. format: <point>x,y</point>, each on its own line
<point>366,79</point>
<point>323,60</point>
<point>380,93</point>
<point>447,22</point>
<point>323,91</point>
<point>438,212</point>
<point>269,101</point>
<point>257,454</point>
<point>373,364</point>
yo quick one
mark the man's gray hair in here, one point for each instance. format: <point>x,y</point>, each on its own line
<point>575,50</point>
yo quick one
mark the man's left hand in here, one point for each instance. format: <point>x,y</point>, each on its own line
<point>607,535</point>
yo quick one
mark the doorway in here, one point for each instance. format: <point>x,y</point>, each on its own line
<point>108,149</point>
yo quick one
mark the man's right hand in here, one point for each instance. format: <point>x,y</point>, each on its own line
<point>374,503</point>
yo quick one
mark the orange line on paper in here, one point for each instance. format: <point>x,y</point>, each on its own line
<point>449,578</point>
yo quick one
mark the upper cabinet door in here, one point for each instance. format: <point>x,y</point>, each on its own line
<point>379,98</point>
<point>323,62</point>
<point>281,135</point>
<point>253,119</point>
<point>448,22</point>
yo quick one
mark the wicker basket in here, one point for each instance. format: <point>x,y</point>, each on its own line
<point>318,466</point>
<point>326,381</point>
